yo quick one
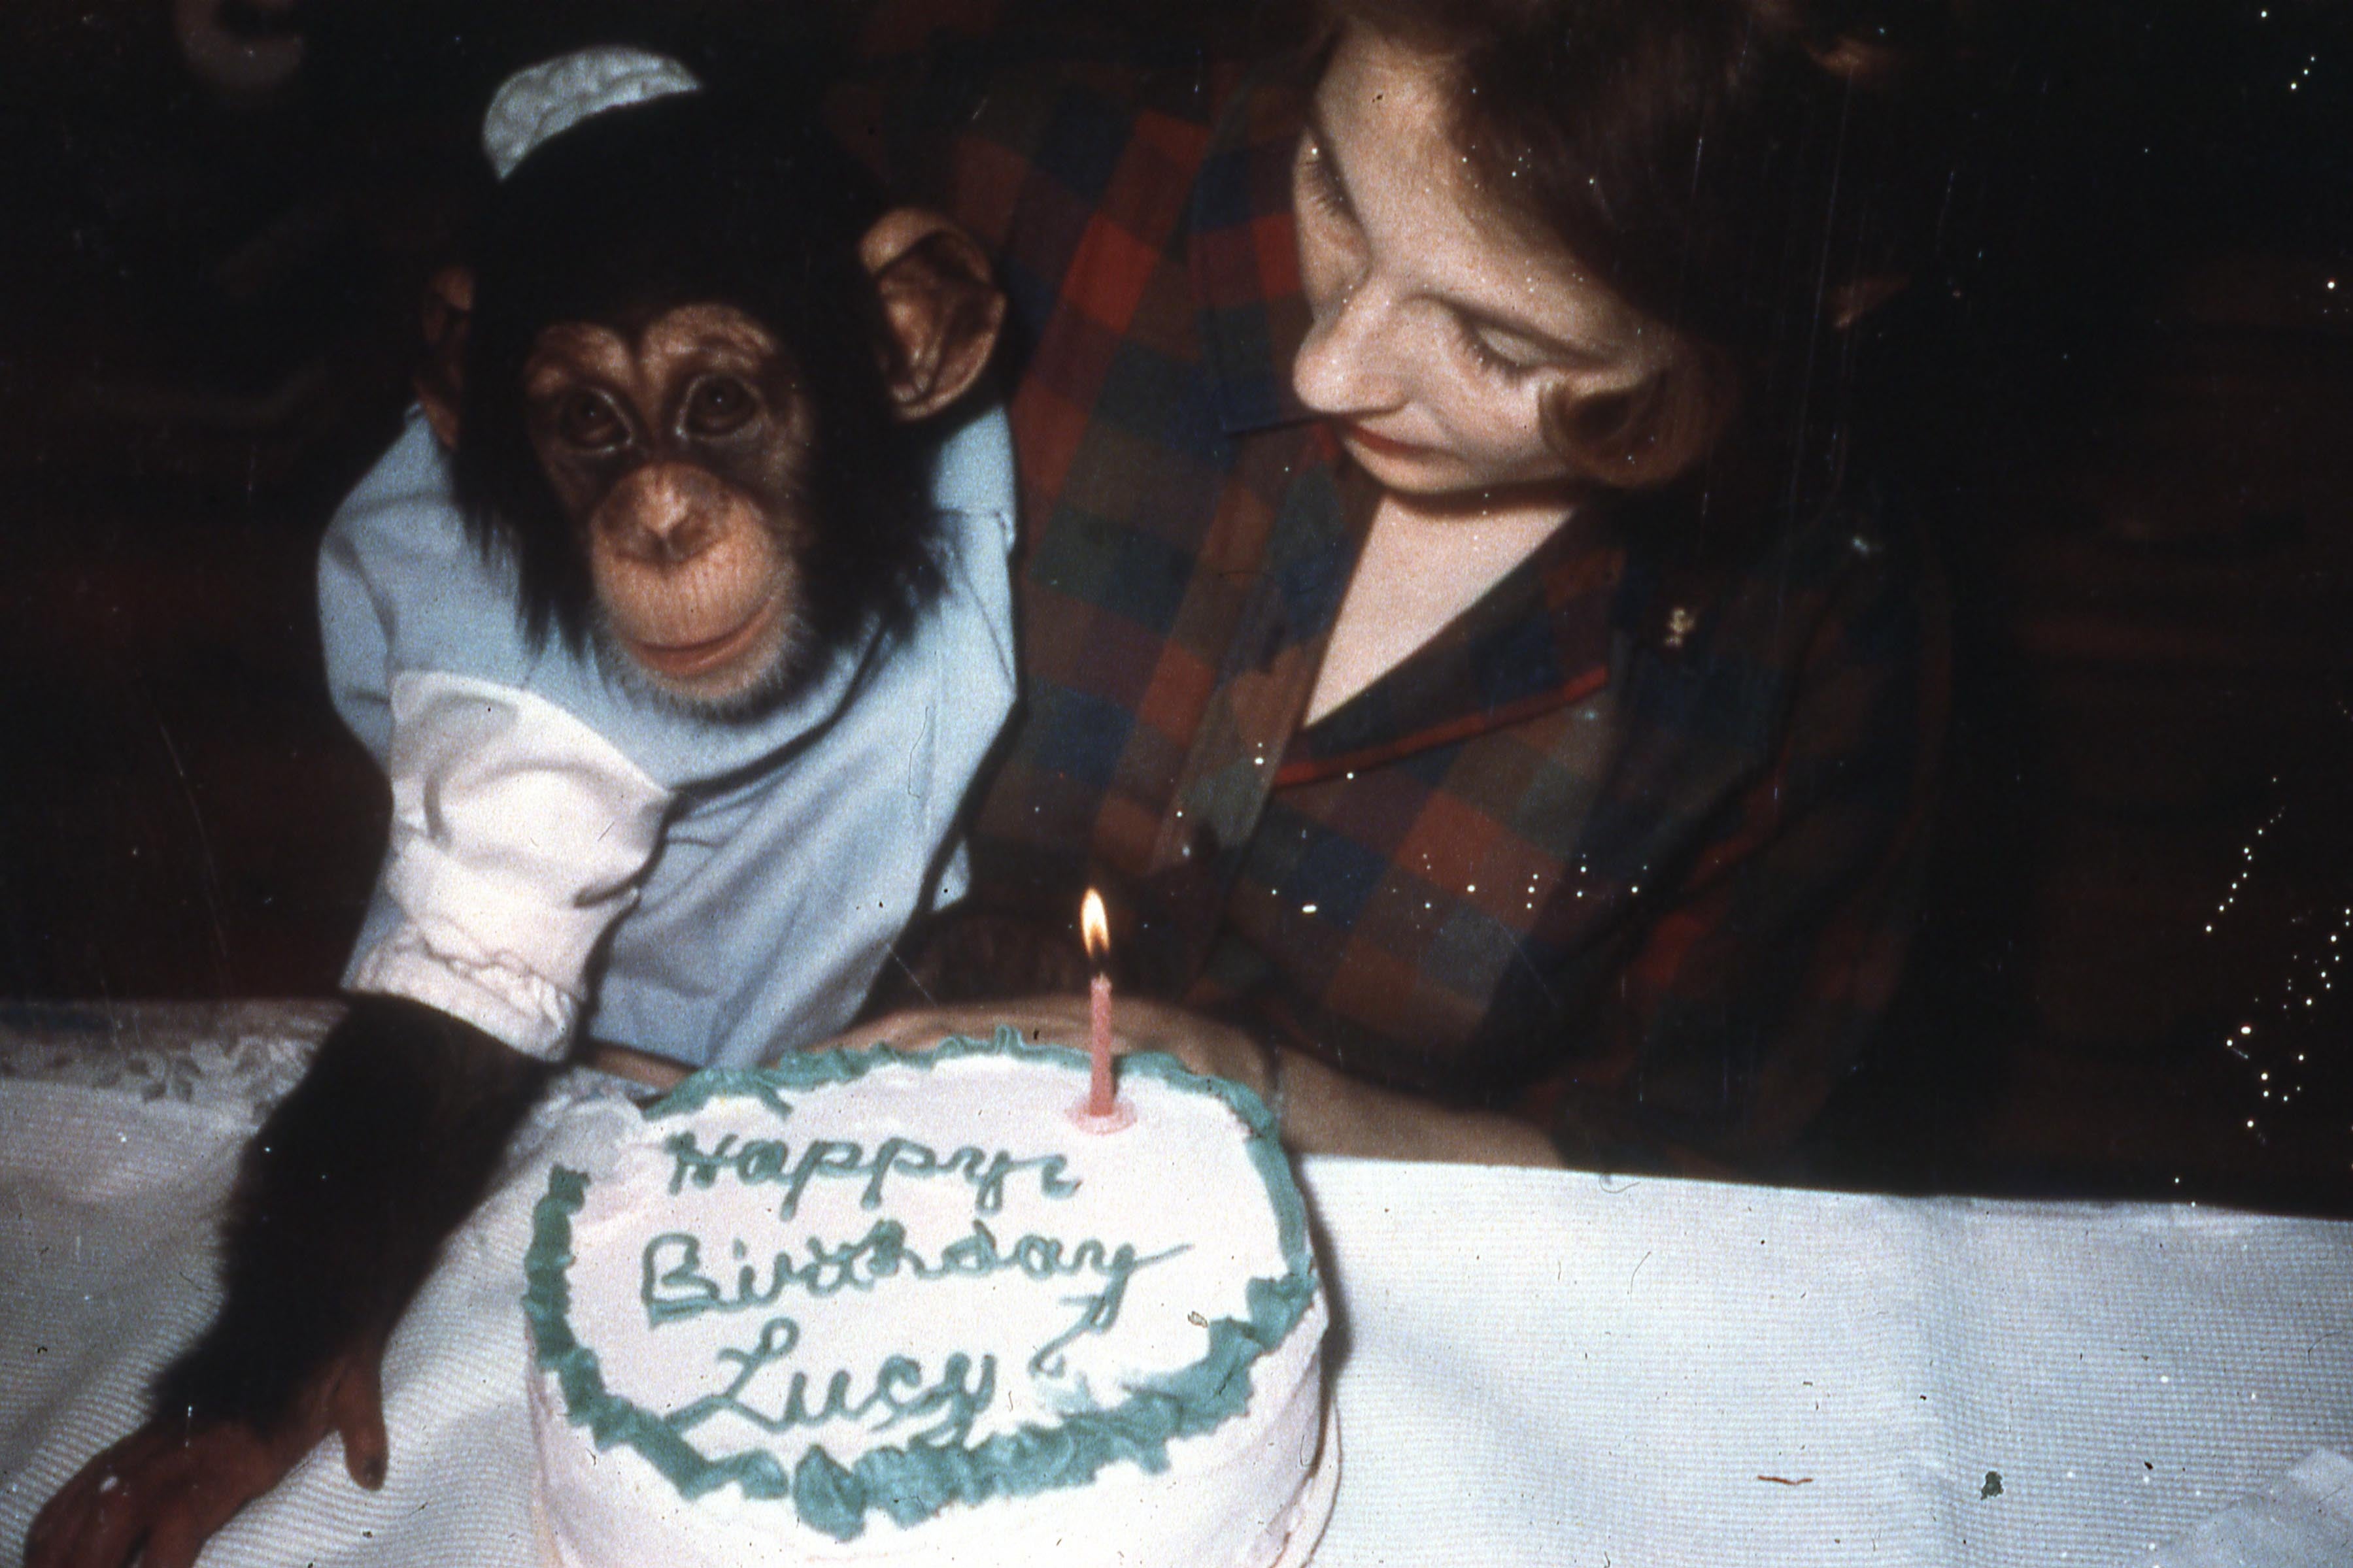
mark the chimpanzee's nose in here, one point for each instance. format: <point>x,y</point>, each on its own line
<point>665,512</point>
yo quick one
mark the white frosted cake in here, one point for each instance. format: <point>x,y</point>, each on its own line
<point>871,1308</point>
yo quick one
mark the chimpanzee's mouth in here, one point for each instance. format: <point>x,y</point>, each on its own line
<point>686,661</point>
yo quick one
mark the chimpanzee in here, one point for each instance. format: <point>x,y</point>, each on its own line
<point>680,619</point>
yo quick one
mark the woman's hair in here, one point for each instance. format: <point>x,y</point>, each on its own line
<point>1734,169</point>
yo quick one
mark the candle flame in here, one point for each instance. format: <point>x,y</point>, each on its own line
<point>1095,928</point>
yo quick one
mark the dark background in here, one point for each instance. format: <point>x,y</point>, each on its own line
<point>2130,397</point>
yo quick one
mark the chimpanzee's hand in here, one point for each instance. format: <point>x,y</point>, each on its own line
<point>342,1201</point>
<point>160,1494</point>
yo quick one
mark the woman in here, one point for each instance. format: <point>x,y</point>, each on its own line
<point>1500,717</point>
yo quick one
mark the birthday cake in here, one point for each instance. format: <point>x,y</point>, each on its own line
<point>866,1307</point>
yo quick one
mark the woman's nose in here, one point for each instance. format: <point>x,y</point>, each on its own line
<point>1350,363</point>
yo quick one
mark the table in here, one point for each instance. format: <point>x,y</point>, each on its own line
<point>1534,1367</point>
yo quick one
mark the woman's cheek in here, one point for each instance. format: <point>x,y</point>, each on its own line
<point>1502,438</point>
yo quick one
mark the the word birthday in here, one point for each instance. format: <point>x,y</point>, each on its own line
<point>674,1286</point>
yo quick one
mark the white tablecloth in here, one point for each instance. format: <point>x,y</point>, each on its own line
<point>1534,1367</point>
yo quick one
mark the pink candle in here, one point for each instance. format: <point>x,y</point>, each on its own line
<point>1099,1084</point>
<point>1101,1111</point>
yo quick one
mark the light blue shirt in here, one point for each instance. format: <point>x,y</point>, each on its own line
<point>567,855</point>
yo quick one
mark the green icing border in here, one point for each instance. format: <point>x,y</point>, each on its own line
<point>911,1484</point>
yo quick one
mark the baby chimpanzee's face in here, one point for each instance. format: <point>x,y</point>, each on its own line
<point>682,451</point>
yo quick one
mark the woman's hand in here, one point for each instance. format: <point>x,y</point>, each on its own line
<point>1202,1044</point>
<point>1323,1111</point>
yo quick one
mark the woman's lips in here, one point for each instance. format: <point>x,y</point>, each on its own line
<point>1382,445</point>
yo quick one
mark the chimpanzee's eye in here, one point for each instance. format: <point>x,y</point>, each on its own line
<point>587,419</point>
<point>719,404</point>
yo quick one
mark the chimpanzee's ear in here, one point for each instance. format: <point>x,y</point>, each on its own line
<point>943,309</point>
<point>449,307</point>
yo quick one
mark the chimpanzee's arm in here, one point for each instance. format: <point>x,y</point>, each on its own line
<point>343,1201</point>
<point>345,1196</point>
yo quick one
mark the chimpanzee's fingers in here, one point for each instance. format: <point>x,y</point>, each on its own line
<point>55,1528</point>
<point>224,1469</point>
<point>98,1519</point>
<point>158,1495</point>
<point>218,1470</point>
<point>84,1507</point>
<point>47,1542</point>
<point>356,1409</point>
<point>177,1537</point>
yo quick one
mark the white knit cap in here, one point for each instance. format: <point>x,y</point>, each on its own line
<point>533,105</point>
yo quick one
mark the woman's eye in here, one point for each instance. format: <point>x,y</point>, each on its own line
<point>719,404</point>
<point>1493,358</point>
<point>1319,185</point>
<point>587,419</point>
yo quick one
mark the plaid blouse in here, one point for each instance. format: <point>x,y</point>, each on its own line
<point>1632,847</point>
